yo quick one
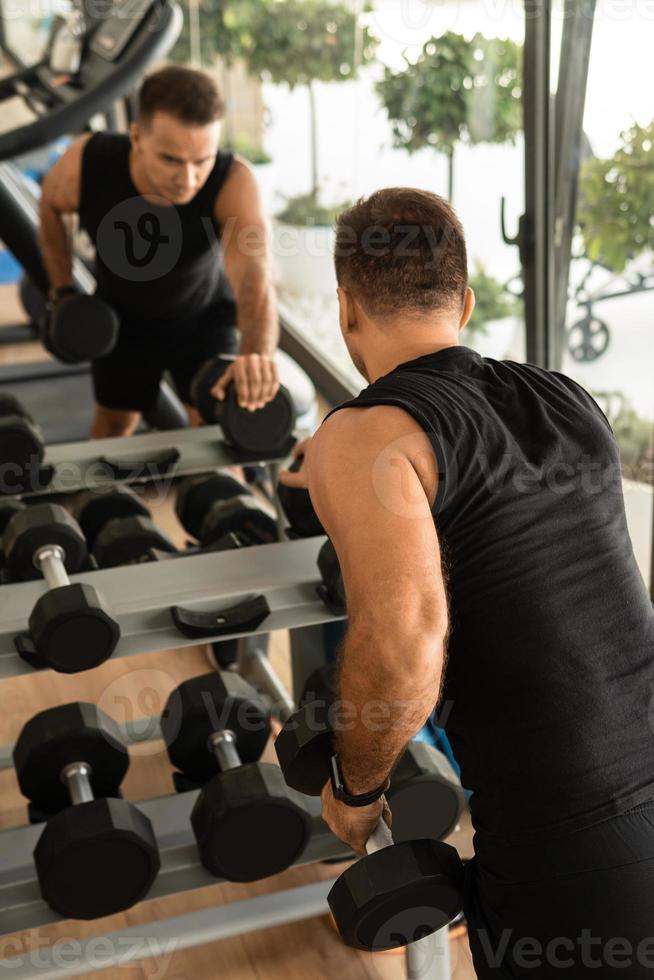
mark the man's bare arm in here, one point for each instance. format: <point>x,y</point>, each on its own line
<point>60,197</point>
<point>371,482</point>
<point>247,260</point>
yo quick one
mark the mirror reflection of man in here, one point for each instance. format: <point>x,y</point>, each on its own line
<point>181,251</point>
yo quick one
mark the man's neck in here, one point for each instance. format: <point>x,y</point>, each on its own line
<point>387,361</point>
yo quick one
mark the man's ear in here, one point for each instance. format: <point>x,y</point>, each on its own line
<point>468,307</point>
<point>134,133</point>
<point>344,315</point>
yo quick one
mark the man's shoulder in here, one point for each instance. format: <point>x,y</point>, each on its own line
<point>371,430</point>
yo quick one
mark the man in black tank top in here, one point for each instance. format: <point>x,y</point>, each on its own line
<point>181,250</point>
<point>477,512</point>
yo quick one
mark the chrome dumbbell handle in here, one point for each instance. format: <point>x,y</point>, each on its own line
<point>223,745</point>
<point>51,563</point>
<point>77,777</point>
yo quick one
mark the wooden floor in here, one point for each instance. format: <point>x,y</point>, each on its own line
<point>308,950</point>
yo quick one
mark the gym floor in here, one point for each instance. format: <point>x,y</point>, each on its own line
<point>308,949</point>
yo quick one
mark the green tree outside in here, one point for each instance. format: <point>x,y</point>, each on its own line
<point>457,91</point>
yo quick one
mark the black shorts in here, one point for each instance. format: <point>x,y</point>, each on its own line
<point>580,906</point>
<point>128,378</point>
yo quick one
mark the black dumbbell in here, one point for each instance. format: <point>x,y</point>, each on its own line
<point>297,506</point>
<point>247,823</point>
<point>118,527</point>
<point>330,572</point>
<point>129,540</point>
<point>32,300</point>
<point>80,328</point>
<point>196,494</point>
<point>8,508</point>
<point>398,892</point>
<point>425,795</point>
<point>266,430</point>
<point>21,444</point>
<point>99,855</point>
<point>214,507</point>
<point>71,628</point>
<point>93,509</point>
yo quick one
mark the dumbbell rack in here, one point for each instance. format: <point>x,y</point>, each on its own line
<point>286,575</point>
<point>21,906</point>
<point>73,466</point>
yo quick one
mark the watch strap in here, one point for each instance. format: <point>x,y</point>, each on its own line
<point>352,799</point>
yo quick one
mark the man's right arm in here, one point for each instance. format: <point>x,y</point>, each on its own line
<point>60,196</point>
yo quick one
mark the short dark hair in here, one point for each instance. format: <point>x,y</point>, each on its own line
<point>189,95</point>
<point>402,250</point>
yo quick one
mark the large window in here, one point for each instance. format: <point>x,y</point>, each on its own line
<point>435,105</point>
<point>610,315</point>
<point>26,25</point>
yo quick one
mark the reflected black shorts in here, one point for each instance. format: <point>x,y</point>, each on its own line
<point>128,378</point>
<point>580,906</point>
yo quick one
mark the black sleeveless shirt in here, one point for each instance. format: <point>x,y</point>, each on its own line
<point>548,698</point>
<point>154,263</point>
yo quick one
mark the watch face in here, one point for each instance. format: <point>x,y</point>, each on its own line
<point>336,778</point>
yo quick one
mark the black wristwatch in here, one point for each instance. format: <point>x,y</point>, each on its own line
<point>340,792</point>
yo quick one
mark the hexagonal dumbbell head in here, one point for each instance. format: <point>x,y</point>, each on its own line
<point>397,895</point>
<point>57,737</point>
<point>38,527</point>
<point>330,571</point>
<point>197,495</point>
<point>297,506</point>
<point>319,685</point>
<point>304,749</point>
<point>10,405</point>
<point>7,510</point>
<point>263,431</point>
<point>211,703</point>
<point>203,381</point>
<point>72,628</point>
<point>129,539</point>
<point>96,859</point>
<point>248,824</point>
<point>21,443</point>
<point>425,795</point>
<point>82,328</point>
<point>95,508</point>
<point>93,858</point>
<point>245,516</point>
